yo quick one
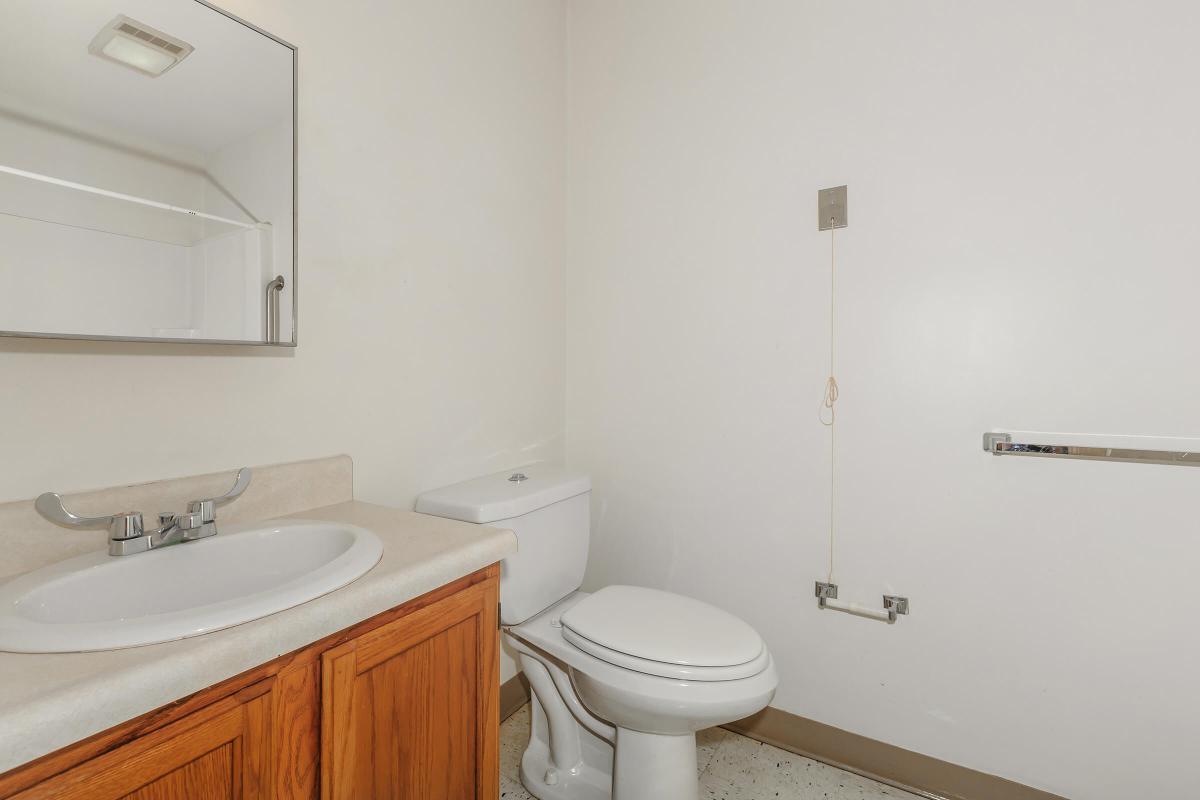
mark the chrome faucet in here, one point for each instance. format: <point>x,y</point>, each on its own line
<point>126,532</point>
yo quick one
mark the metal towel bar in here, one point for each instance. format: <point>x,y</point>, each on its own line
<point>1002,444</point>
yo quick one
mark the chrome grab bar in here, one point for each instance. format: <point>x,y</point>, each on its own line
<point>1002,444</point>
<point>893,605</point>
<point>271,311</point>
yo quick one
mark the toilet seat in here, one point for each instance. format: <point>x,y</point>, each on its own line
<point>664,634</point>
<point>662,669</point>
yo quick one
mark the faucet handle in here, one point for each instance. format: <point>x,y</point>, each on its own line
<point>207,508</point>
<point>127,525</point>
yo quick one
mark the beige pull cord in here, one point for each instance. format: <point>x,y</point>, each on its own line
<point>829,401</point>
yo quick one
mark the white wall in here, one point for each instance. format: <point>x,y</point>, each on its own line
<point>1021,252</point>
<point>431,312</point>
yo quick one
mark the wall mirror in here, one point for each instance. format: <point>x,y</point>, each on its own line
<point>147,173</point>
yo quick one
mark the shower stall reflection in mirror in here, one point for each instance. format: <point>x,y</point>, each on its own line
<point>177,226</point>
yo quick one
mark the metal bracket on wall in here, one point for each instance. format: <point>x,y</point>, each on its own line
<point>832,210</point>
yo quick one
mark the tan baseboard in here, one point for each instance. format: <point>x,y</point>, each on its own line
<point>886,763</point>
<point>514,693</point>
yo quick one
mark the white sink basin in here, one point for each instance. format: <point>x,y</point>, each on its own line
<point>102,602</point>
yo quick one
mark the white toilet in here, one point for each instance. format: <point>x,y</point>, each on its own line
<point>622,678</point>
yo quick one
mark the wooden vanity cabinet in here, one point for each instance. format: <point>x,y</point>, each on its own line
<point>403,705</point>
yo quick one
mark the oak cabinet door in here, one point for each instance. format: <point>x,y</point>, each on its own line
<point>410,710</point>
<point>221,752</point>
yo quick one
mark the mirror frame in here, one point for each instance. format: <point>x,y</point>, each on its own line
<point>295,228</point>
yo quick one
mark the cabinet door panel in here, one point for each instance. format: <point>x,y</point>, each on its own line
<point>409,710</point>
<point>219,753</point>
<point>420,710</point>
<point>210,775</point>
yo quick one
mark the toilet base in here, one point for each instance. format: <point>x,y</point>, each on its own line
<point>585,783</point>
<point>648,766</point>
<point>652,766</point>
<point>586,777</point>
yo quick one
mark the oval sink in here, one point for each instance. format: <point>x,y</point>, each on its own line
<point>102,602</point>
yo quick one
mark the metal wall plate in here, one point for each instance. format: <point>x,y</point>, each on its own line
<point>894,604</point>
<point>991,439</point>
<point>831,208</point>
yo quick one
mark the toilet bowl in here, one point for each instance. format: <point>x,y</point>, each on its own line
<point>621,678</point>
<point>648,718</point>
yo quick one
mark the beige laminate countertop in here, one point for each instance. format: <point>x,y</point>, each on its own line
<point>48,701</point>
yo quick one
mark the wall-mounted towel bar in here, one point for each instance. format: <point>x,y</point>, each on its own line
<point>1132,449</point>
<point>892,605</point>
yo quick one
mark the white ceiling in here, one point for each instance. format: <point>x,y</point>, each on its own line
<point>237,80</point>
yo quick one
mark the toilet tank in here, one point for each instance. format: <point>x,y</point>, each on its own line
<point>546,506</point>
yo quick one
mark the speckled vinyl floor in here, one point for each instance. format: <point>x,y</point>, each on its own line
<point>732,767</point>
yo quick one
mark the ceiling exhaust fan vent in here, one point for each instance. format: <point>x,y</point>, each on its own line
<point>138,46</point>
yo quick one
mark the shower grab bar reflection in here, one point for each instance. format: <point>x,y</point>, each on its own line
<point>1118,448</point>
<point>129,198</point>
<point>271,310</point>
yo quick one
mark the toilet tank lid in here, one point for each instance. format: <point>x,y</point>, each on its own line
<point>496,496</point>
